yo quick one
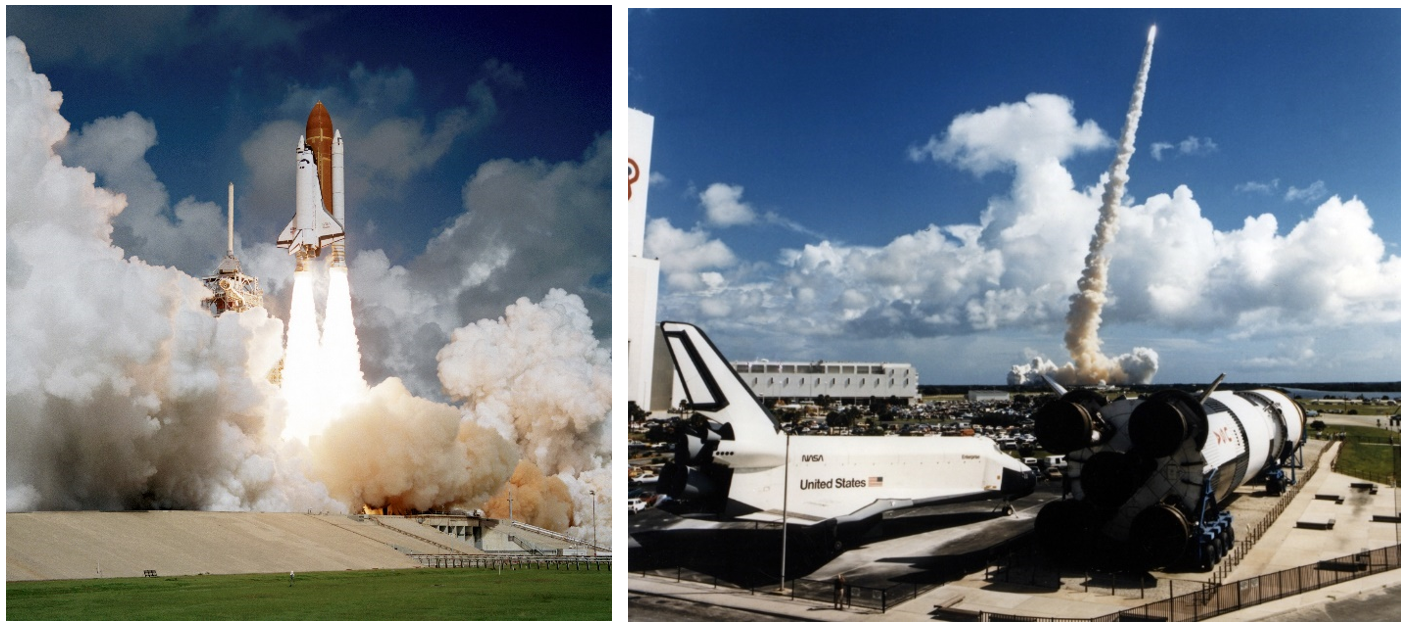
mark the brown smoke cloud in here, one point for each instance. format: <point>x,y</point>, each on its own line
<point>537,499</point>
<point>394,449</point>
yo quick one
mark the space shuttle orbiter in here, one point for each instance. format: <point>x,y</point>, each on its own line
<point>737,462</point>
<point>320,215</point>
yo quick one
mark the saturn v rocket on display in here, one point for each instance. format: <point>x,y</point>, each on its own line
<point>320,216</point>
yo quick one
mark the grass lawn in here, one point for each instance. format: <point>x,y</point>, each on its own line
<point>1374,461</point>
<point>410,594</point>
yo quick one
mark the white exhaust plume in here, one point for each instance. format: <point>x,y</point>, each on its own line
<point>341,354</point>
<point>538,376</point>
<point>303,371</point>
<point>1090,365</point>
<point>122,392</point>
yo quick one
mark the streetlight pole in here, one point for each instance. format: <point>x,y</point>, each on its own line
<point>785,509</point>
<point>593,544</point>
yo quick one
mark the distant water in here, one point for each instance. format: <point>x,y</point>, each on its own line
<point>1318,394</point>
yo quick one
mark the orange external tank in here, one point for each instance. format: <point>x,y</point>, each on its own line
<point>319,139</point>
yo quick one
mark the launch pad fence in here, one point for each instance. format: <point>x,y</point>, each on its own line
<point>1204,601</point>
<point>1212,599</point>
<point>514,563</point>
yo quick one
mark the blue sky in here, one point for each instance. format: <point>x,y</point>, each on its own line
<point>804,220</point>
<point>477,139</point>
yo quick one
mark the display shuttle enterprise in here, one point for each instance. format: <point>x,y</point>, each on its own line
<point>737,462</point>
<point>320,215</point>
<point>1148,478</point>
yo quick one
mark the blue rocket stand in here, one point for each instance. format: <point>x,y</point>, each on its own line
<point>1216,533</point>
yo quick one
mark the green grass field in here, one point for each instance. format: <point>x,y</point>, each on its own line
<point>411,594</point>
<point>1372,461</point>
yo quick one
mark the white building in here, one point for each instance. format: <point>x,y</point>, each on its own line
<point>974,396</point>
<point>643,279</point>
<point>843,381</point>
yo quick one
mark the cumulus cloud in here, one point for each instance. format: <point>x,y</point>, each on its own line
<point>189,236</point>
<point>503,73</point>
<point>722,206</point>
<point>1170,265</point>
<point>1015,134</point>
<point>683,255</point>
<point>528,227</point>
<point>1311,193</point>
<point>1192,146</point>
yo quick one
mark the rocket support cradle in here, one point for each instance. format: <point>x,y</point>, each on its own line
<point>1150,474</point>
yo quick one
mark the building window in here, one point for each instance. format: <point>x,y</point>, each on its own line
<point>847,381</point>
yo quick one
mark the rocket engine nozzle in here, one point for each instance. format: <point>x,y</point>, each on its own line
<point>1168,418</point>
<point>1110,478</point>
<point>1159,536</point>
<point>1071,422</point>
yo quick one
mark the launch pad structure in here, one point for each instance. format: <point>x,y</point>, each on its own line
<point>233,290</point>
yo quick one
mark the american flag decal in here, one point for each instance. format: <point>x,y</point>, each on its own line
<point>875,481</point>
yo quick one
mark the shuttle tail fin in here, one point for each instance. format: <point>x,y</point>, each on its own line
<point>712,385</point>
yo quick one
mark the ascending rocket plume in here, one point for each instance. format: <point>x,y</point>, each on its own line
<point>1085,308</point>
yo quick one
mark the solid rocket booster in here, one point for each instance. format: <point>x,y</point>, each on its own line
<point>315,223</point>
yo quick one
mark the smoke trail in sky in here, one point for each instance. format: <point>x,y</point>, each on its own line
<point>1090,365</point>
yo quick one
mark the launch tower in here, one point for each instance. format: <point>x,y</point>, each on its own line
<point>233,290</point>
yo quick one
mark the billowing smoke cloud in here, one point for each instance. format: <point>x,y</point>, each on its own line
<point>540,378</point>
<point>1085,307</point>
<point>121,390</point>
<point>397,450</point>
<point>124,392</point>
<point>536,499</point>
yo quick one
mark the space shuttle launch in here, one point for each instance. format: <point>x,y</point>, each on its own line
<point>320,216</point>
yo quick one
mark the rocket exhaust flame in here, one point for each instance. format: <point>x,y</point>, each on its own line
<point>301,365</point>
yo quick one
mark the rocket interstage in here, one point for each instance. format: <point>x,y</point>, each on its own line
<point>320,212</point>
<point>1152,475</point>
